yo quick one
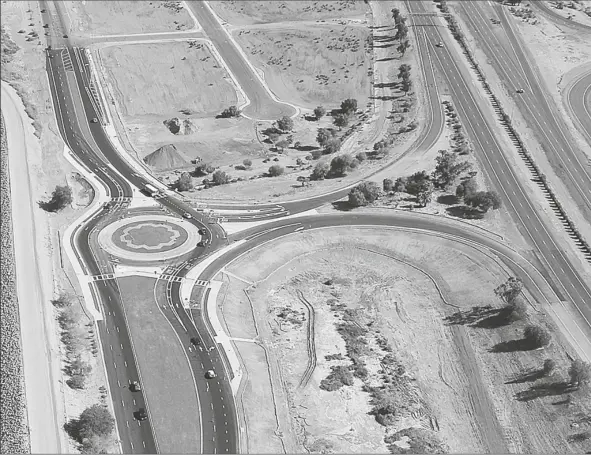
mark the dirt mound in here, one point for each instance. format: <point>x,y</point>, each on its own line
<point>166,157</point>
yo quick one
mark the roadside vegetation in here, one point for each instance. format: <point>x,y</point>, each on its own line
<point>14,435</point>
<point>60,199</point>
<point>93,429</point>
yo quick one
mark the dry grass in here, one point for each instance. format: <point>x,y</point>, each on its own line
<point>453,384</point>
<point>153,80</point>
<point>127,17</point>
<point>311,65</point>
<point>245,12</point>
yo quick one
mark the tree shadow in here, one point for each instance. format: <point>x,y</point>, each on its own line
<point>342,206</point>
<point>545,390</point>
<point>464,212</point>
<point>448,199</point>
<point>530,375</point>
<point>513,346</point>
<point>386,59</point>
<point>72,427</point>
<point>49,206</point>
<point>471,316</point>
<point>306,148</point>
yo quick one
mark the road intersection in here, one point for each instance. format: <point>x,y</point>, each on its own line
<point>75,105</point>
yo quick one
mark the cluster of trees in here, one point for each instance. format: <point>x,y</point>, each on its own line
<point>338,166</point>
<point>60,198</point>
<point>92,429</point>
<point>74,342</point>
<point>231,112</point>
<point>328,140</point>
<point>479,200</point>
<point>418,184</point>
<point>401,31</point>
<point>348,109</point>
<point>404,76</point>
<point>363,194</point>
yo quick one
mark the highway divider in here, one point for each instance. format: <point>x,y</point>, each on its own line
<point>538,177</point>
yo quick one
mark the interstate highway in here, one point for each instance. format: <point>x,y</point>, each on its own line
<point>556,267</point>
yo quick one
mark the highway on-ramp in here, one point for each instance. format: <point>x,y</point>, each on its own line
<point>578,99</point>
<point>542,7</point>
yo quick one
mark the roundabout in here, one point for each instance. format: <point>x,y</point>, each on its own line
<point>149,238</point>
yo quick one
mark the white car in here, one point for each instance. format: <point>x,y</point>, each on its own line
<point>439,44</point>
<point>187,215</point>
<point>210,374</point>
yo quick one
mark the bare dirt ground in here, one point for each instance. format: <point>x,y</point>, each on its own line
<point>246,12</point>
<point>127,17</point>
<point>472,399</point>
<point>311,65</point>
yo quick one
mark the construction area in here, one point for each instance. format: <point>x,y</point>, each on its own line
<point>375,341</point>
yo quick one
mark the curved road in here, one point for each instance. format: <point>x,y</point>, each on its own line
<point>550,13</point>
<point>578,99</point>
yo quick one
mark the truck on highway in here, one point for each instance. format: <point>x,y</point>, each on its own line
<point>151,190</point>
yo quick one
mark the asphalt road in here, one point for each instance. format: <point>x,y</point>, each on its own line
<point>579,101</point>
<point>554,264</point>
<point>262,106</point>
<point>511,62</point>
<point>541,7</point>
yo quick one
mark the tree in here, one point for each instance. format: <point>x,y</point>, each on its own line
<point>64,300</point>
<point>549,367</point>
<point>285,123</point>
<point>425,194</point>
<point>361,157</point>
<point>303,180</point>
<point>273,137</point>
<point>483,200</point>
<point>319,112</point>
<point>415,182</point>
<point>510,289</point>
<point>363,194</point>
<point>404,71</point>
<point>95,420</point>
<point>349,106</point>
<point>60,198</point>
<point>448,169</point>
<point>395,14</point>
<point>203,169</point>
<point>77,381</point>
<point>400,185</point>
<point>341,120</point>
<point>579,372</point>
<point>94,444</point>
<point>320,171</point>
<point>536,336</point>
<point>220,177</point>
<point>406,85</point>
<point>282,145</point>
<point>342,164</point>
<point>466,188</point>
<point>232,111</point>
<point>388,184</point>
<point>403,46</point>
<point>324,135</point>
<point>185,182</point>
<point>332,146</point>
<point>247,163</point>
<point>276,170</point>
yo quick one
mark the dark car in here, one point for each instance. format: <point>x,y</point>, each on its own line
<point>201,243</point>
<point>94,120</point>
<point>195,341</point>
<point>201,232</point>
<point>519,90</point>
<point>141,414</point>
<point>42,10</point>
<point>135,386</point>
<point>65,36</point>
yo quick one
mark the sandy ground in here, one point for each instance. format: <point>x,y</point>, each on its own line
<point>461,385</point>
<point>121,17</point>
<point>311,65</point>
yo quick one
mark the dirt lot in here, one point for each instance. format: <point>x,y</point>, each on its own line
<point>446,378</point>
<point>311,65</point>
<point>246,12</point>
<point>127,17</point>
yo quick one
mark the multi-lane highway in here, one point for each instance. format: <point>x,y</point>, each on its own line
<point>553,262</point>
<point>510,60</point>
<point>262,106</point>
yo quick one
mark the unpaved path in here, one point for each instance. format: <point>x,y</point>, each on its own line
<point>33,286</point>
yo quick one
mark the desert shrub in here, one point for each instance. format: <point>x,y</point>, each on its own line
<point>342,164</point>
<point>361,157</point>
<point>276,170</point>
<point>349,106</point>
<point>285,123</point>
<point>320,171</point>
<point>247,163</point>
<point>63,301</point>
<point>510,289</point>
<point>184,182</point>
<point>387,185</point>
<point>77,381</point>
<point>339,376</point>
<point>230,112</point>
<point>363,194</point>
<point>60,198</point>
<point>319,112</point>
